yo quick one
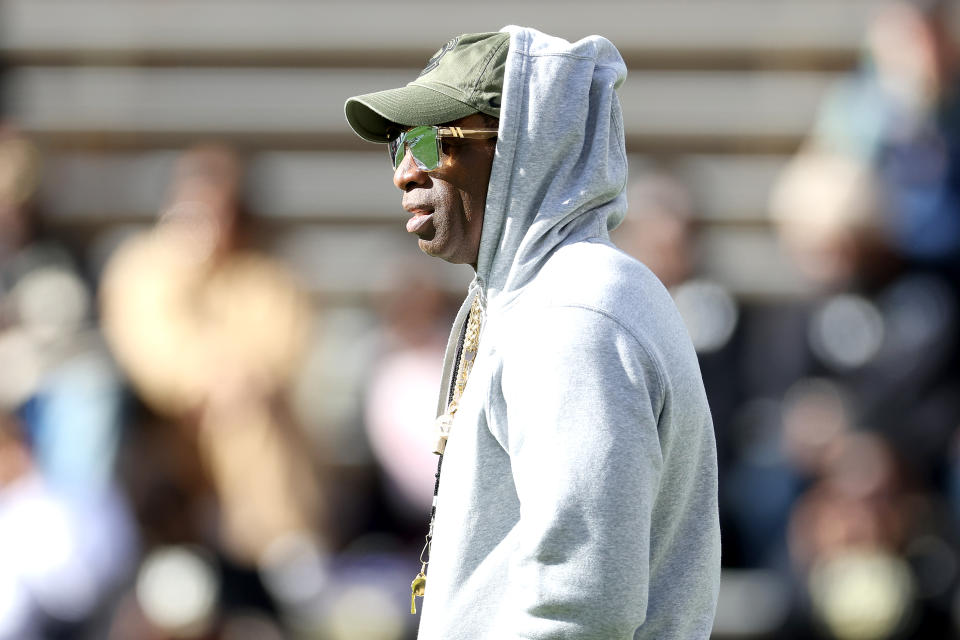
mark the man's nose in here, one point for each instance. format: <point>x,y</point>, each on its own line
<point>408,174</point>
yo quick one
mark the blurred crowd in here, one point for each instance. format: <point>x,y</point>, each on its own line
<point>184,452</point>
<point>837,412</point>
<point>191,446</point>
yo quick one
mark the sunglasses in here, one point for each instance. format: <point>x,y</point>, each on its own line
<point>424,144</point>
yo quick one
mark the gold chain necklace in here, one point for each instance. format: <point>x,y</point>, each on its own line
<point>443,424</point>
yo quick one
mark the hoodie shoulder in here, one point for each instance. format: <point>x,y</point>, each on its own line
<point>596,275</point>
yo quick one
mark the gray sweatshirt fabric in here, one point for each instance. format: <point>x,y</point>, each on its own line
<point>578,497</point>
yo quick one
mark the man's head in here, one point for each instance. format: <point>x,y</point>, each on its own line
<point>441,130</point>
<point>447,203</point>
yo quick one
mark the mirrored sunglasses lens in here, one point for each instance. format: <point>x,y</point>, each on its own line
<point>393,148</point>
<point>423,145</point>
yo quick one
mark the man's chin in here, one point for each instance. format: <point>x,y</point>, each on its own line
<point>434,251</point>
<point>430,248</point>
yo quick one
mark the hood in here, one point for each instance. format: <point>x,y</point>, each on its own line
<point>560,167</point>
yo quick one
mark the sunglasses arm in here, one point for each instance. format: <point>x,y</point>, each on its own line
<point>459,132</point>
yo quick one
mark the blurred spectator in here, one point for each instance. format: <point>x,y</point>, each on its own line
<point>61,559</point>
<point>827,211</point>
<point>900,114</point>
<point>55,367</point>
<point>402,392</point>
<point>856,502</point>
<point>65,539</point>
<point>879,324</point>
<point>660,231</point>
<point>210,333</point>
<point>848,535</point>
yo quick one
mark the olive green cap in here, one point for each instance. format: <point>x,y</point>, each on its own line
<point>464,77</point>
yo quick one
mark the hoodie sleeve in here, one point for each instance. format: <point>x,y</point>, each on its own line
<point>582,400</point>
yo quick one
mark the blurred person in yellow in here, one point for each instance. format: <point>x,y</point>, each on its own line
<point>210,332</point>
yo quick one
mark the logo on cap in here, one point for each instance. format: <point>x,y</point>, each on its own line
<point>435,60</point>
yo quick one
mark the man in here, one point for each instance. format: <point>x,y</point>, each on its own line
<point>578,494</point>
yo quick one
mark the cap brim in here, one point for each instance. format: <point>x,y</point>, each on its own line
<point>373,114</point>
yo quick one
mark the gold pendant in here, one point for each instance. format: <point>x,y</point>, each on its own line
<point>417,588</point>
<point>442,425</point>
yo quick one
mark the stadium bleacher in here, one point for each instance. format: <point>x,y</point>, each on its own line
<point>722,92</point>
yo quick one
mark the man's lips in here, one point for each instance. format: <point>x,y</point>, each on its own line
<point>421,217</point>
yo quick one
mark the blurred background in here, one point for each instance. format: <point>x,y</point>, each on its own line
<point>219,349</point>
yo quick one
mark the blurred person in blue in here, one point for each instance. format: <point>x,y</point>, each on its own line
<point>66,542</point>
<point>876,322</point>
<point>56,367</point>
<point>900,114</point>
<point>61,561</point>
<point>578,493</point>
<point>869,211</point>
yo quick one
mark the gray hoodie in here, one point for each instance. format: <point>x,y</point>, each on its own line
<point>578,497</point>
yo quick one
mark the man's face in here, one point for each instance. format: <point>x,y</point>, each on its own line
<point>447,203</point>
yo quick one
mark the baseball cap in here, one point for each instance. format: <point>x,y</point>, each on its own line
<point>465,76</point>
